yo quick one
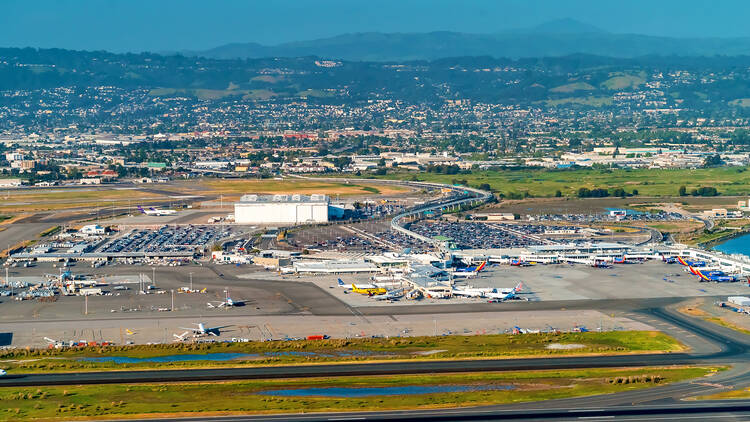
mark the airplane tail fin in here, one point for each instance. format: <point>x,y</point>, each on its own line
<point>481,266</point>
<point>341,282</point>
<point>518,287</point>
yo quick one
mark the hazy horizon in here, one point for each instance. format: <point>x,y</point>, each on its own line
<point>172,25</point>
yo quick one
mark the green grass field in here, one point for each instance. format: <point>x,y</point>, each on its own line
<point>572,87</point>
<point>352,350</point>
<point>623,82</point>
<point>194,399</point>
<point>648,182</point>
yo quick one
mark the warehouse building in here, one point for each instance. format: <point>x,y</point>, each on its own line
<point>282,209</point>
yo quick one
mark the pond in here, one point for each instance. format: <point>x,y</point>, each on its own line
<point>229,356</point>
<point>171,358</point>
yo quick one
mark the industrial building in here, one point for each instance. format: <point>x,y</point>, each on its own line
<point>282,209</point>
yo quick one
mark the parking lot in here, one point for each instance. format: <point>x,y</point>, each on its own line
<point>167,239</point>
<point>471,235</point>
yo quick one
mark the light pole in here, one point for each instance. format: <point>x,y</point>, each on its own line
<point>191,282</point>
<point>172,310</point>
<point>153,275</point>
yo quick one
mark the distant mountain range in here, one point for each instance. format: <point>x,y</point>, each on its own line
<point>555,38</point>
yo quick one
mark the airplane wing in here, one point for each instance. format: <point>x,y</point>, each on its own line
<point>217,328</point>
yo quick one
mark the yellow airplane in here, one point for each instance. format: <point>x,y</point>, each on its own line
<point>369,291</point>
<point>129,332</point>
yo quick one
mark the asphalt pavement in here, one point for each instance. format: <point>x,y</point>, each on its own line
<point>658,403</point>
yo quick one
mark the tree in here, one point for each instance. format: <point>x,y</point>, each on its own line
<point>713,161</point>
<point>619,192</point>
<point>705,191</point>
<point>558,194</point>
<point>682,191</point>
<point>635,192</point>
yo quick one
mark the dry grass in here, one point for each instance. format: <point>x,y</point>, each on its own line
<point>58,199</point>
<point>241,187</point>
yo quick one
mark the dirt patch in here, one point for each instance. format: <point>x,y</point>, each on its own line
<point>559,346</point>
<point>429,352</point>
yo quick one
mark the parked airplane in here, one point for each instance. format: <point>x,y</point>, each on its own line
<point>515,289</point>
<point>471,292</point>
<point>391,295</point>
<point>358,286</point>
<point>520,263</point>
<point>718,276</point>
<point>202,330</point>
<point>502,297</point>
<point>601,264</point>
<point>180,337</point>
<point>227,303</point>
<point>369,291</point>
<point>474,269</point>
<point>518,330</point>
<point>156,211</point>
<point>694,264</point>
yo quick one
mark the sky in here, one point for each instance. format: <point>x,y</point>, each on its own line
<point>174,25</point>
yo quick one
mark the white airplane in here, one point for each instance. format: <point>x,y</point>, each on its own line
<point>506,295</point>
<point>356,286</point>
<point>156,211</point>
<point>515,289</point>
<point>200,330</point>
<point>180,337</point>
<point>227,303</point>
<point>391,295</point>
<point>472,292</point>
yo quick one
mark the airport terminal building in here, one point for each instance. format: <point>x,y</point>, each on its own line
<point>282,209</point>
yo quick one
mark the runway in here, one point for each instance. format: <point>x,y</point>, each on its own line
<point>657,403</point>
<point>689,411</point>
<point>355,369</point>
<point>727,350</point>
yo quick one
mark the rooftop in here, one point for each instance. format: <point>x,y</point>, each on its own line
<point>314,198</point>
